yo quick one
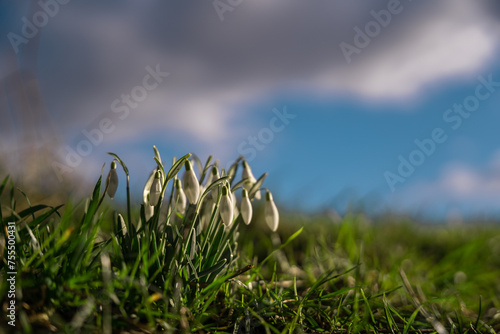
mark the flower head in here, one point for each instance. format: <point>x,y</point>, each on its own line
<point>179,196</point>
<point>155,191</point>
<point>123,225</point>
<point>191,185</point>
<point>226,207</point>
<point>112,180</point>
<point>214,177</point>
<point>246,207</point>
<point>271,212</point>
<point>247,174</point>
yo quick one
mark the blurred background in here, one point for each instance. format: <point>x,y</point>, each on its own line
<point>377,106</point>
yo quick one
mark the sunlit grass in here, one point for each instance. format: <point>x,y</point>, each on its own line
<point>192,264</point>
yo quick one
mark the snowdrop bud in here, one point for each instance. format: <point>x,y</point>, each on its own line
<point>208,209</point>
<point>112,180</point>
<point>191,185</point>
<point>155,192</point>
<point>271,212</point>
<point>122,223</point>
<point>180,196</point>
<point>215,177</point>
<point>247,174</point>
<point>246,208</point>
<point>226,207</point>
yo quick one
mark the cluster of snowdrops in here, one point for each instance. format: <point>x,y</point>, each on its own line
<point>213,193</point>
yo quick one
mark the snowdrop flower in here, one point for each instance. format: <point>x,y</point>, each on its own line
<point>247,174</point>
<point>191,185</point>
<point>214,177</point>
<point>112,180</point>
<point>271,212</point>
<point>180,196</point>
<point>155,191</point>
<point>246,207</point>
<point>122,223</point>
<point>208,208</point>
<point>226,207</point>
<point>149,210</point>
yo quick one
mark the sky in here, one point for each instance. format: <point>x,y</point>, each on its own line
<point>387,105</point>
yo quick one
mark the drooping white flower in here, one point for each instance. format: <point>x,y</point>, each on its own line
<point>208,208</point>
<point>191,185</point>
<point>155,191</point>
<point>271,212</point>
<point>246,207</point>
<point>215,176</point>
<point>122,223</point>
<point>112,181</point>
<point>226,207</point>
<point>247,174</point>
<point>148,209</point>
<point>180,197</point>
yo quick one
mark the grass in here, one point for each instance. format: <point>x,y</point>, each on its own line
<point>88,268</point>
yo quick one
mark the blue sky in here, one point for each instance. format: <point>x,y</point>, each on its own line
<point>232,69</point>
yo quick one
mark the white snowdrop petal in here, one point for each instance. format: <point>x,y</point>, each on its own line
<point>226,207</point>
<point>155,191</point>
<point>180,197</point>
<point>113,181</point>
<point>271,213</point>
<point>246,208</point>
<point>149,211</point>
<point>122,223</point>
<point>191,185</point>
<point>257,195</point>
<point>215,177</point>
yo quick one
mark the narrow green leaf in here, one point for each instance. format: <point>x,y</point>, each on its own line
<point>256,187</point>
<point>177,166</point>
<point>411,320</point>
<point>214,269</point>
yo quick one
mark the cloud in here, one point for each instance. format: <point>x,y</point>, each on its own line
<point>462,185</point>
<point>451,39</point>
<point>92,52</point>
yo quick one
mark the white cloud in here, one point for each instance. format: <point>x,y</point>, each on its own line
<point>446,44</point>
<point>460,184</point>
<point>218,67</point>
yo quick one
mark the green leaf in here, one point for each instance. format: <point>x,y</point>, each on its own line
<point>2,186</point>
<point>372,317</point>
<point>4,183</point>
<point>214,269</point>
<point>411,320</point>
<point>44,216</point>
<point>26,212</point>
<point>93,205</point>
<point>177,166</point>
<point>157,153</point>
<point>289,240</point>
<point>256,187</point>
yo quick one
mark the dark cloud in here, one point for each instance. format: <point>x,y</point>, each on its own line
<point>92,52</point>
